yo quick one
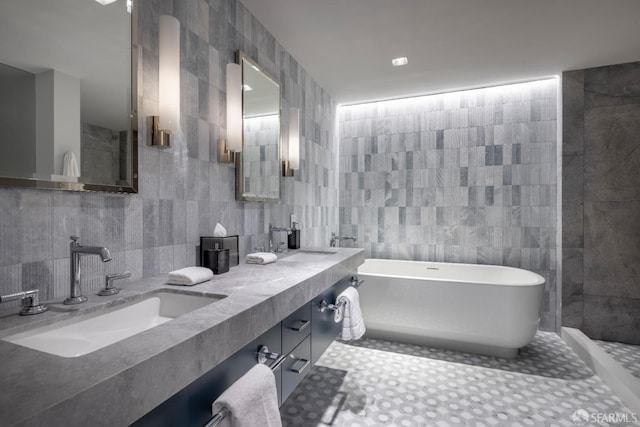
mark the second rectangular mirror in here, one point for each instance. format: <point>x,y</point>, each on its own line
<point>258,166</point>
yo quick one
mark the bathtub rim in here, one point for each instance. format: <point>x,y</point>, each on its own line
<point>540,281</point>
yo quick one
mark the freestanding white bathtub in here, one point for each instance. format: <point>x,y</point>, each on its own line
<point>486,309</point>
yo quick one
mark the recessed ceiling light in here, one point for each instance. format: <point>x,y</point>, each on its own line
<point>246,88</point>
<point>400,61</point>
<point>105,2</point>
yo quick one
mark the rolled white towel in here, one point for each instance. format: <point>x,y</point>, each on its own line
<point>261,258</point>
<point>190,276</point>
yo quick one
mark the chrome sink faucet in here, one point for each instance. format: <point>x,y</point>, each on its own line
<point>109,289</point>
<point>276,247</point>
<point>75,292</point>
<point>335,240</point>
<point>32,305</point>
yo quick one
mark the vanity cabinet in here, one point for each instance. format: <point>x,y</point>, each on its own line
<point>303,336</point>
<point>191,406</point>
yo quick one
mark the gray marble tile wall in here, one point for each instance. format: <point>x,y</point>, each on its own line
<point>184,192</point>
<point>458,177</point>
<point>601,202</point>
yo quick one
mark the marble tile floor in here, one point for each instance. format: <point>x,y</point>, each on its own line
<point>627,355</point>
<point>382,383</point>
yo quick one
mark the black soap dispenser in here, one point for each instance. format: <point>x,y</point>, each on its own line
<point>294,237</point>
<point>217,260</point>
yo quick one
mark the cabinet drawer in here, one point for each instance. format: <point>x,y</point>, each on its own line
<point>296,367</point>
<point>295,328</point>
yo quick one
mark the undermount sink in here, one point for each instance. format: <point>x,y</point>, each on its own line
<point>86,333</point>
<point>309,256</point>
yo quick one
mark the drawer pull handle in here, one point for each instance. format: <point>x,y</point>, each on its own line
<point>301,326</point>
<point>299,369</point>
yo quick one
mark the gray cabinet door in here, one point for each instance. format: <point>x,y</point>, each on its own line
<point>324,329</point>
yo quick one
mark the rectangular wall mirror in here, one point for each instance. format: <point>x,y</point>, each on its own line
<point>258,166</point>
<point>68,93</point>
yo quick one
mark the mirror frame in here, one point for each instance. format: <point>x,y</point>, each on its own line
<point>106,188</point>
<point>240,57</point>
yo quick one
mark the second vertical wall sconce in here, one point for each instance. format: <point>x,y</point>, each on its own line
<point>169,84</point>
<point>233,144</point>
<point>291,161</point>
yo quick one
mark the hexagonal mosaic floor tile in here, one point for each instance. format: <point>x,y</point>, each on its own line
<point>627,355</point>
<point>382,383</point>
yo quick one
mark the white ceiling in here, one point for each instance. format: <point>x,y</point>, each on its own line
<point>347,45</point>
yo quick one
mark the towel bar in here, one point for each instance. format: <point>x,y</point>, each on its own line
<point>335,307</point>
<point>355,282</point>
<point>264,355</point>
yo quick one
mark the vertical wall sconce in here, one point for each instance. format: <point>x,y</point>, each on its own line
<point>291,161</point>
<point>169,84</point>
<point>233,144</point>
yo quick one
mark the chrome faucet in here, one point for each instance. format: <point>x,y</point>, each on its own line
<point>335,240</point>
<point>109,289</point>
<point>272,247</point>
<point>32,305</point>
<point>75,292</point>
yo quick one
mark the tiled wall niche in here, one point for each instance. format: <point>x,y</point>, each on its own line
<point>601,202</point>
<point>183,190</point>
<point>465,176</point>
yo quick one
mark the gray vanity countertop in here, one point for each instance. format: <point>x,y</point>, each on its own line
<point>118,384</point>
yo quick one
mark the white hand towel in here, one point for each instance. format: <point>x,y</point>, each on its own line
<point>338,315</point>
<point>70,166</point>
<point>352,323</point>
<point>261,258</point>
<point>252,400</point>
<point>219,231</point>
<point>190,276</point>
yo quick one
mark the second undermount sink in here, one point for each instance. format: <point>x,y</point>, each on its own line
<point>309,256</point>
<point>86,333</point>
